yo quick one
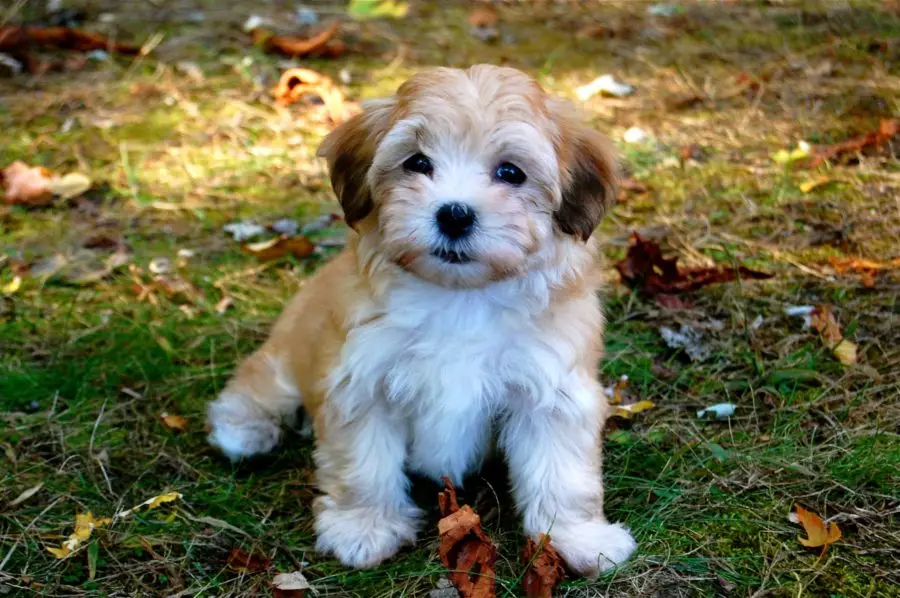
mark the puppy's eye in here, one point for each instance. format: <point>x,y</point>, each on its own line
<point>419,163</point>
<point>510,173</point>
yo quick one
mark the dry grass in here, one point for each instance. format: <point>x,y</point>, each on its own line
<point>86,371</point>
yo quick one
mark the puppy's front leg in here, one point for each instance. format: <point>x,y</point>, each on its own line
<point>553,450</point>
<point>366,514</point>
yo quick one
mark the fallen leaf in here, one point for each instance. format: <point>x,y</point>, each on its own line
<point>26,185</point>
<point>886,130</point>
<point>290,585</point>
<point>645,269</point>
<point>85,524</point>
<point>465,549</point>
<point>483,22</point>
<point>605,84</point>
<point>846,352</point>
<point>688,339</point>
<point>627,411</point>
<point>363,10</point>
<point>807,186</point>
<point>298,83</point>
<point>545,568</point>
<point>150,503</point>
<point>14,37</point>
<point>717,411</point>
<point>265,251</point>
<point>247,562</point>
<point>12,286</point>
<point>823,320</point>
<point>673,302</point>
<point>174,422</point>
<point>818,532</point>
<point>70,186</point>
<point>25,495</point>
<point>319,45</point>
<point>786,157</point>
<point>867,278</point>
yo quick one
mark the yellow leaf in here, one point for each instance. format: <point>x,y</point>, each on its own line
<point>626,411</point>
<point>811,184</point>
<point>85,524</point>
<point>845,351</point>
<point>162,498</point>
<point>151,503</point>
<point>70,185</point>
<point>818,532</point>
<point>14,285</point>
<point>785,157</point>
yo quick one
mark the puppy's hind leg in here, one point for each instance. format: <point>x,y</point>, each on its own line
<point>246,419</point>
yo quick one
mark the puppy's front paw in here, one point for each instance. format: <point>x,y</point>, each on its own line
<point>362,537</point>
<point>593,547</point>
<point>240,429</point>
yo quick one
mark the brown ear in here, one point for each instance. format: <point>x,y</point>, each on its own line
<point>349,151</point>
<point>589,177</point>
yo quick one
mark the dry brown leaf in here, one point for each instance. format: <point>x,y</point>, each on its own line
<point>886,130</point>
<point>545,568</point>
<point>867,278</point>
<point>826,324</point>
<point>266,251</point>
<point>646,270</point>
<point>26,185</point>
<point>818,532</point>
<point>319,45</point>
<point>247,562</point>
<point>174,422</point>
<point>484,15</point>
<point>298,83</point>
<point>13,37</point>
<point>465,549</point>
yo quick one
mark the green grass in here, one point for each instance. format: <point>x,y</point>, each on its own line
<point>87,370</point>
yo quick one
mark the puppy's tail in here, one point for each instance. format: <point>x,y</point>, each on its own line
<point>247,418</point>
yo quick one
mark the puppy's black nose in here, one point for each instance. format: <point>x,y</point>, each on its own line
<point>455,220</point>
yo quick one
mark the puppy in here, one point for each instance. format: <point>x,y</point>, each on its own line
<point>463,311</point>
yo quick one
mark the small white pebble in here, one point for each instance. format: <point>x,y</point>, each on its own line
<point>635,135</point>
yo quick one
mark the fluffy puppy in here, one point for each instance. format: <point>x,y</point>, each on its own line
<point>463,310</point>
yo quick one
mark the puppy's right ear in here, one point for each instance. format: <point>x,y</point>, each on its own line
<point>349,151</point>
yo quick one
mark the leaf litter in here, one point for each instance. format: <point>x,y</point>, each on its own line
<point>465,549</point>
<point>647,271</point>
<point>86,523</point>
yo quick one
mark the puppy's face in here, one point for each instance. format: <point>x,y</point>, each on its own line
<point>469,177</point>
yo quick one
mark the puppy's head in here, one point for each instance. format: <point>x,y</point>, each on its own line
<point>470,176</point>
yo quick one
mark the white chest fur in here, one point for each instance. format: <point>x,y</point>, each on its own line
<point>447,362</point>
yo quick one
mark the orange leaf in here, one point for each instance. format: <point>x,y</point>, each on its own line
<point>174,422</point>
<point>266,251</point>
<point>295,47</point>
<point>465,549</point>
<point>26,185</point>
<point>823,320</point>
<point>818,532</point>
<point>545,568</point>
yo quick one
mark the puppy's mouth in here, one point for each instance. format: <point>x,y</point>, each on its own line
<point>451,256</point>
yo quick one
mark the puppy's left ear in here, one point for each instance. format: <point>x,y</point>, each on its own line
<point>589,173</point>
<point>349,151</point>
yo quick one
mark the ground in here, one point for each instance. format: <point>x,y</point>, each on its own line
<point>87,369</point>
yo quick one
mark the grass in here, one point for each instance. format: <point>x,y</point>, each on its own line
<point>87,370</point>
